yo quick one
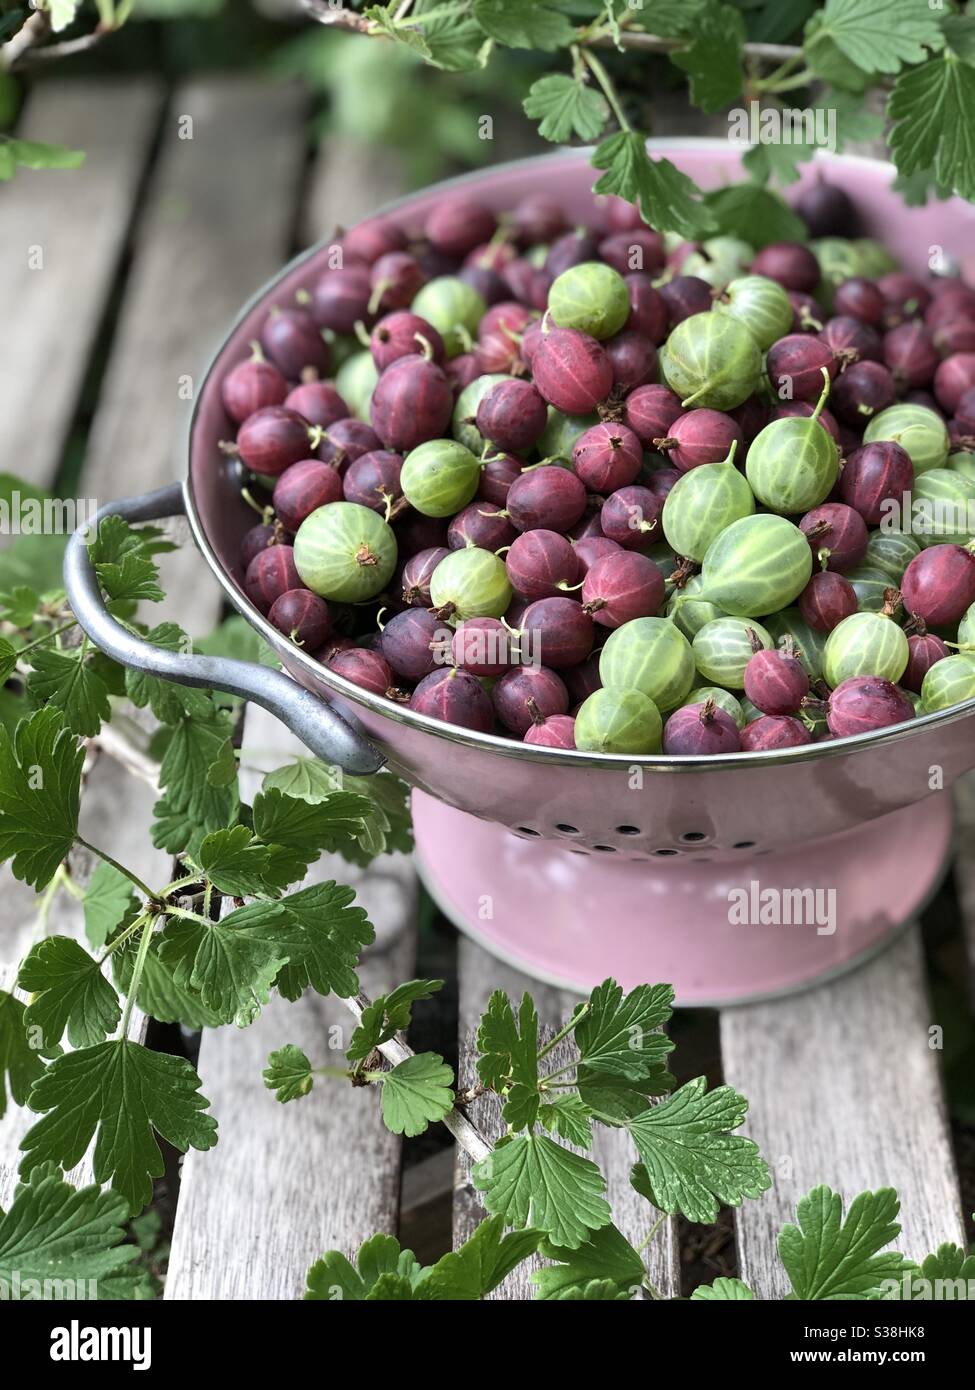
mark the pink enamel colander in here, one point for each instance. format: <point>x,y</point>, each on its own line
<point>735,878</point>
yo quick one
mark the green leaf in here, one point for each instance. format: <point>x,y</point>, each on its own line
<point>306,779</point>
<point>754,214</point>
<point>517,25</point>
<point>195,745</point>
<point>334,1278</point>
<point>566,106</point>
<point>168,701</point>
<point>776,161</point>
<point>607,1255</point>
<point>109,896</point>
<point>454,44</point>
<point>877,35</point>
<point>8,660</point>
<point>668,199</point>
<point>691,1160</point>
<point>288,1073</point>
<point>382,17</point>
<point>722,1291</point>
<point>933,113</point>
<point>532,1181</point>
<point>827,62</point>
<point>416,1092</point>
<point>478,1266</point>
<point>918,189</point>
<point>127,1094</point>
<point>829,1257</point>
<point>569,1117</point>
<point>621,1035</point>
<point>508,1057</point>
<point>309,828</point>
<point>158,995</point>
<point>713,60</point>
<point>68,1240</point>
<point>19,605</point>
<point>20,1064</point>
<point>40,778</point>
<point>323,936</point>
<point>34,154</point>
<point>959,33</point>
<point>65,680</point>
<point>948,1274</point>
<point>231,964</point>
<point>237,864</point>
<point>71,993</point>
<point>616,1099</point>
<point>387,1015</point>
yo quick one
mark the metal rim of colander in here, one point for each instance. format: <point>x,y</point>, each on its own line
<point>494,743</point>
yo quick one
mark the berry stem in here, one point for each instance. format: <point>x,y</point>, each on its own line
<point>609,91</point>
<point>822,395</point>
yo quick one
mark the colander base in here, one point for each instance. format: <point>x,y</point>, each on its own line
<point>722,933</point>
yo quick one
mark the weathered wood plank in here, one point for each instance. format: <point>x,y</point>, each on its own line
<point>216,224</point>
<point>349,179</point>
<point>77,222</point>
<point>286,1183</point>
<point>479,975</point>
<point>844,1090</point>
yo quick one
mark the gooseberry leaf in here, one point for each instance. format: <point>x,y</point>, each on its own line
<point>477,1267</point>
<point>288,1073</point>
<point>159,996</point>
<point>713,60</point>
<point>620,1035</point>
<point>322,936</point>
<point>20,1064</point>
<point>532,1181</point>
<point>829,1256</point>
<point>617,1099</point>
<point>454,43</point>
<point>723,1291</point>
<point>123,561</point>
<point>8,660</point>
<point>959,33</point>
<point>167,700</point>
<point>55,1232</point>
<point>668,199</point>
<point>125,1094</point>
<point>67,681</point>
<point>876,35</point>
<point>416,1092</point>
<point>307,779</point>
<point>754,214</point>
<point>383,17</point>
<point>691,1160</point>
<point>516,25</point>
<point>776,160</point>
<point>238,864</point>
<point>918,189</point>
<point>109,896</point>
<point>19,604</point>
<point>569,1117</point>
<point>232,964</point>
<point>309,828</point>
<point>387,1015</point>
<point>334,1277</point>
<point>606,1255</point>
<point>194,746</point>
<point>932,108</point>
<point>40,778</point>
<point>948,1267</point>
<point>508,1057</point>
<point>565,106</point>
<point>70,993</point>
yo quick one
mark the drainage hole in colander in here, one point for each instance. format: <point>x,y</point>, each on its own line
<point>743,844</point>
<point>567,829</point>
<point>691,837</point>
<point>526,830</point>
<point>628,830</point>
<point>605,849</point>
<point>661,852</point>
<point>578,851</point>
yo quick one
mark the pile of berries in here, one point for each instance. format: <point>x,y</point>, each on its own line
<point>598,488</point>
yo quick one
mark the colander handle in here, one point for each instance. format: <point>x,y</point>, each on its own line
<point>319,727</point>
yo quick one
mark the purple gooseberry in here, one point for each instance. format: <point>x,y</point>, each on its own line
<point>772,731</point>
<point>874,474</point>
<point>650,411</point>
<point>373,239</point>
<point>775,681</point>
<point>622,586</point>
<point>417,573</point>
<point>364,668</point>
<point>542,564</point>
<point>395,280</point>
<point>461,371</point>
<point>497,352</point>
<point>497,475</point>
<point>590,549</point>
<point>649,314</point>
<point>302,488</point>
<point>702,730</point>
<point>864,703</point>
<point>633,358</point>
<point>955,335</point>
<point>924,651</point>
<point>272,439</point>
<point>251,386</point>
<point>459,223</point>
<point>955,376</point>
<point>271,573</point>
<point>411,643</point>
<point>826,210</point>
<point>904,297</point>
<point>481,525</point>
<point>861,391</point>
<point>807,313</point>
<point>454,697</point>
<point>911,355</point>
<point>838,532</point>
<point>412,402</point>
<point>582,680</point>
<point>850,340</point>
<point>546,497</point>
<point>507,316</point>
<point>572,371</point>
<point>556,632</point>
<point>699,437</point>
<point>861,299</point>
<point>488,283</point>
<point>256,539</point>
<point>685,296</point>
<point>538,219</point>
<point>512,415</point>
<point>555,731</point>
<point>483,647</point>
<point>302,616</point>
<point>571,249</point>
<point>938,585</point>
<point>402,334</point>
<point>794,266</point>
<point>347,440</point>
<point>752,415</point>
<point>826,600</point>
<point>340,298</point>
<point>415,532</point>
<point>661,480</point>
<point>634,249</point>
<point>372,480</point>
<point>607,456</point>
<point>527,693</point>
<point>795,367</point>
<point>292,341</point>
<point>318,402</point>
<point>631,517</point>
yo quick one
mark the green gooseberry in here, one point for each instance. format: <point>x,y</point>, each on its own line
<point>341,347</point>
<point>865,644</point>
<point>611,720</point>
<point>750,711</point>
<point>722,698</point>
<point>761,304</point>
<point>871,586</point>
<point>689,612</point>
<point>891,552</point>
<point>470,583</point>
<point>664,558</point>
<point>723,648</point>
<point>793,463</point>
<point>591,297</point>
<point>962,462</point>
<point>703,502</point>
<point>711,360</point>
<point>838,261</point>
<point>652,656</point>
<point>463,424</point>
<point>439,477</point>
<point>966,629</point>
<point>756,566</point>
<point>948,682</point>
<point>345,552</point>
<point>355,382</point>
<point>719,261</point>
<point>943,506</point>
<point>873,257</point>
<point>917,429</point>
<point>453,308</point>
<point>809,643</point>
<point>559,436</point>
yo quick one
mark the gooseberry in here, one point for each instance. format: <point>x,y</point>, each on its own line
<point>702,503</point>
<point>251,386</point>
<point>701,730</point>
<point>865,644</point>
<point>607,457</point>
<point>546,497</point>
<point>652,656</point>
<point>302,616</point>
<point>345,552</point>
<point>439,477</point>
<point>512,415</point>
<point>303,487</point>
<point>621,586</point>
<point>861,704</point>
<point>527,693</point>
<point>541,564</point>
<point>618,721</point>
<point>270,574</point>
<point>470,583</point>
<point>711,360</point>
<point>454,697</point>
<point>723,647</point>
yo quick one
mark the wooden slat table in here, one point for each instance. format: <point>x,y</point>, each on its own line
<point>843,1086</point>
